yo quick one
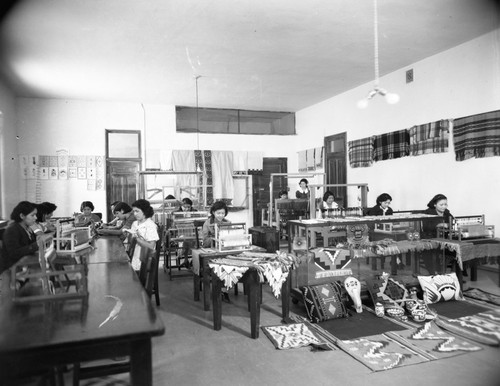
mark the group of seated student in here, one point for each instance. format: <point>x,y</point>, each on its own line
<point>438,205</point>
<point>124,218</point>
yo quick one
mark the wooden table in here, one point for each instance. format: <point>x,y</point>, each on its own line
<point>50,333</point>
<point>251,278</point>
<point>200,266</point>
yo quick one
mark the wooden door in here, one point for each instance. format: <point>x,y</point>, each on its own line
<point>261,185</point>
<point>122,182</point>
<point>336,165</point>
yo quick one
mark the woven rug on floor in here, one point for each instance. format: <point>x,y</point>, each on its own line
<point>295,335</point>
<point>407,347</point>
<point>458,308</point>
<point>479,294</point>
<point>483,327</point>
<point>363,324</point>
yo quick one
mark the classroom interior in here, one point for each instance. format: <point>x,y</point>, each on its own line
<point>456,80</point>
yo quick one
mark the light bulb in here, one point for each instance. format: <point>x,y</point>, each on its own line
<point>362,103</point>
<point>392,98</point>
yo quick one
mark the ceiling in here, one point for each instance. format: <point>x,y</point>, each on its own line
<point>276,55</point>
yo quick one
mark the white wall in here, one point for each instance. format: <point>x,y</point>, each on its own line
<point>46,125</point>
<point>459,82</point>
<point>9,189</point>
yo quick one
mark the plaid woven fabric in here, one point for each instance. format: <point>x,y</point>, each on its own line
<point>361,152</point>
<point>477,136</point>
<point>429,138</point>
<point>391,145</point>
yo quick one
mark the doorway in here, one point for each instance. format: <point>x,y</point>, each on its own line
<point>261,185</point>
<point>336,166</point>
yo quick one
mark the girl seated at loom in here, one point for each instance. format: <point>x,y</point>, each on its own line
<point>328,204</point>
<point>86,217</point>
<point>44,213</point>
<point>218,213</point>
<point>186,205</point>
<point>122,212</point>
<point>144,231</point>
<point>382,208</point>
<point>19,239</point>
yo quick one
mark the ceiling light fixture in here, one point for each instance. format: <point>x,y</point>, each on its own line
<point>390,98</point>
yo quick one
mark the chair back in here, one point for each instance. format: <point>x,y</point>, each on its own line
<point>148,273</point>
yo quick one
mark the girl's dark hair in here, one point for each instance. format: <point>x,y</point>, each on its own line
<point>282,192</point>
<point>383,197</point>
<point>435,199</point>
<point>24,207</point>
<point>187,201</point>
<point>145,206</point>
<point>217,205</point>
<point>328,194</point>
<point>114,203</point>
<point>304,180</point>
<point>170,197</point>
<point>86,204</point>
<point>51,208</point>
<point>123,206</point>
<point>41,211</point>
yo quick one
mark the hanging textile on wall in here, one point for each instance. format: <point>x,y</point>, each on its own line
<point>310,160</point>
<point>361,152</point>
<point>240,162</point>
<point>430,138</point>
<point>222,171</point>
<point>318,157</point>
<point>391,145</point>
<point>207,162</point>
<point>255,162</point>
<point>183,161</point>
<point>302,161</point>
<point>477,136</point>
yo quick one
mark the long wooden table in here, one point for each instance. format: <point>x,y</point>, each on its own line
<point>117,319</point>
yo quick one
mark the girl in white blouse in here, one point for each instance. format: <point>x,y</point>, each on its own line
<point>144,230</point>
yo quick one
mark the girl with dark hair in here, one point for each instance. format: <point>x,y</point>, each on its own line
<point>438,205</point>
<point>19,239</point>
<point>382,208</point>
<point>186,205</point>
<point>86,217</point>
<point>328,204</point>
<point>218,213</point>
<point>43,214</point>
<point>283,195</point>
<point>125,216</point>
<point>143,230</point>
<point>303,191</point>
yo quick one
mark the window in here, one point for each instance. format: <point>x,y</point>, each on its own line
<point>226,121</point>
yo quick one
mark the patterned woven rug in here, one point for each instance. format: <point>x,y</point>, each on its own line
<point>458,308</point>
<point>401,348</point>
<point>479,294</point>
<point>297,335</point>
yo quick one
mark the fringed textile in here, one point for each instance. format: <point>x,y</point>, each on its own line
<point>430,138</point>
<point>222,172</point>
<point>318,157</point>
<point>228,274</point>
<point>477,136</point>
<point>240,161</point>
<point>302,161</point>
<point>361,152</point>
<point>310,164</point>
<point>255,160</point>
<point>391,145</point>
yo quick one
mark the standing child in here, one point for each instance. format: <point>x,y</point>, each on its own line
<point>144,230</point>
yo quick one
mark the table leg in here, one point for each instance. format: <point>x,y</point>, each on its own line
<point>473,270</point>
<point>141,367</point>
<point>394,265</point>
<point>254,297</point>
<point>217,302</point>
<point>206,283</point>
<point>196,287</point>
<point>285,300</point>
<point>460,277</point>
